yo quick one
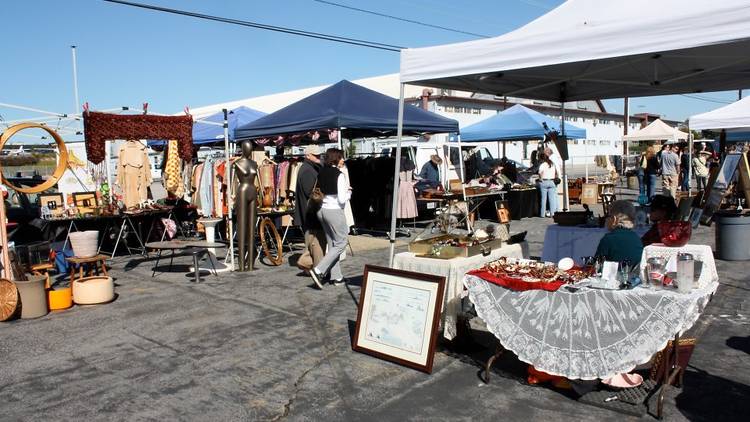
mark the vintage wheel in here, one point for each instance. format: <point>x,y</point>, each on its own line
<point>8,299</point>
<point>270,241</point>
<point>62,162</point>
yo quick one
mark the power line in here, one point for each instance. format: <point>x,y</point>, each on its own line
<point>292,31</point>
<point>710,100</point>
<point>383,15</point>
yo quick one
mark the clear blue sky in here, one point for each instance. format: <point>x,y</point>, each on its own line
<point>127,56</point>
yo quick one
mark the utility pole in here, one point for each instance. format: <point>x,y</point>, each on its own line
<point>75,84</point>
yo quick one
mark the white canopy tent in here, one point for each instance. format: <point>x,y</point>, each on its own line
<point>732,116</point>
<point>591,49</point>
<point>657,131</point>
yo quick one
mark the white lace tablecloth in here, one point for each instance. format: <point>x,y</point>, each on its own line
<point>702,253</point>
<point>591,333</point>
<point>454,270</point>
<point>573,242</point>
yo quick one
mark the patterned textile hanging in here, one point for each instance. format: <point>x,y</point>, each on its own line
<point>172,176</point>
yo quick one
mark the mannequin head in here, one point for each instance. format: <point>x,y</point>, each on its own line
<point>247,148</point>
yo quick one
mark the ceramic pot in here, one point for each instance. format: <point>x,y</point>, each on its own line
<point>33,296</point>
<point>93,290</point>
<point>85,244</point>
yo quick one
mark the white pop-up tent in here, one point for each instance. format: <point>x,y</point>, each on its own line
<point>732,116</point>
<point>657,131</point>
<point>593,49</point>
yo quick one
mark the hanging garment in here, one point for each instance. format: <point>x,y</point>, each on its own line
<point>293,177</point>
<point>197,174</point>
<point>172,176</point>
<point>133,173</point>
<point>205,190</point>
<point>407,200</point>
<point>348,206</point>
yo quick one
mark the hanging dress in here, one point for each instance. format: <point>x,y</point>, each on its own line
<point>407,200</point>
<point>133,173</point>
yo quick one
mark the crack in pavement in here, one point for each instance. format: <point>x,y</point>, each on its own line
<point>296,385</point>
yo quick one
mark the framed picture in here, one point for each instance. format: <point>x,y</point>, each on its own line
<point>503,212</point>
<point>54,202</point>
<point>398,317</point>
<point>85,201</point>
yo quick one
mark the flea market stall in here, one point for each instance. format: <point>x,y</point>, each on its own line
<point>602,50</point>
<point>349,111</point>
<point>513,124</point>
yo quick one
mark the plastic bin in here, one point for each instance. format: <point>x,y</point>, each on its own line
<point>732,236</point>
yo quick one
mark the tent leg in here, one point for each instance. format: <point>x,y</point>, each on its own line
<point>690,159</point>
<point>396,179</point>
<point>564,169</point>
<point>463,186</point>
<point>229,191</point>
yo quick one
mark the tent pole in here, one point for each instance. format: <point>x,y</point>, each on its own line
<point>564,170</point>
<point>396,179</point>
<point>463,187</point>
<point>690,159</point>
<point>227,169</point>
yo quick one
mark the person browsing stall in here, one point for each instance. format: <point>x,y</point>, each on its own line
<point>336,191</point>
<point>663,208</point>
<point>430,171</point>
<point>670,169</point>
<point>547,187</point>
<point>622,242</point>
<point>305,216</point>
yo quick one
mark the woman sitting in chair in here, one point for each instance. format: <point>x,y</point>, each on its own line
<point>621,243</point>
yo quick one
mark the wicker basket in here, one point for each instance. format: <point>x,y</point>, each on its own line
<point>85,244</point>
<point>8,299</point>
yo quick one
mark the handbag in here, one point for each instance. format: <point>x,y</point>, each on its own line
<point>557,179</point>
<point>315,201</point>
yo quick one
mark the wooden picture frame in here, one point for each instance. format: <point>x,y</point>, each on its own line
<point>85,202</point>
<point>718,186</point>
<point>55,202</point>
<point>398,316</point>
<point>503,211</point>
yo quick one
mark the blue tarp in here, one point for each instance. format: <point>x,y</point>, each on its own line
<point>363,112</point>
<point>516,123</point>
<point>206,133</point>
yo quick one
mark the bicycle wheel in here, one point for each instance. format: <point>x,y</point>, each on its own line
<point>270,241</point>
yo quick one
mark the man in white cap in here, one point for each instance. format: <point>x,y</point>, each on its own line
<point>315,240</point>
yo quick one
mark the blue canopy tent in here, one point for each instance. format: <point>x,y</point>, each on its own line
<point>210,129</point>
<point>517,123</point>
<point>357,111</point>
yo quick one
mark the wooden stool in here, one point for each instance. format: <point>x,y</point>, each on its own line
<point>42,269</point>
<point>97,260</point>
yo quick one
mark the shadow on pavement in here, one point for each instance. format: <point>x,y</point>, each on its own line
<point>706,397</point>
<point>739,343</point>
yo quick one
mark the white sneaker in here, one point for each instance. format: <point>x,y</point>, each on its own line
<point>316,278</point>
<point>338,282</point>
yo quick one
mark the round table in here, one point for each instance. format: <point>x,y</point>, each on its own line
<point>589,333</point>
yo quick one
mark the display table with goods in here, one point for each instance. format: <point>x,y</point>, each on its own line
<point>579,326</point>
<point>574,241</point>
<point>116,226</point>
<point>453,270</point>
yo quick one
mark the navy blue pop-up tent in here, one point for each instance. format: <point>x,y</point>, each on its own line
<point>517,123</point>
<point>210,133</point>
<point>361,111</point>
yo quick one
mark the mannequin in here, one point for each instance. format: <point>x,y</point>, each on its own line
<point>246,171</point>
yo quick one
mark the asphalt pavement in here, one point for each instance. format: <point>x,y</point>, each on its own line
<point>267,345</point>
